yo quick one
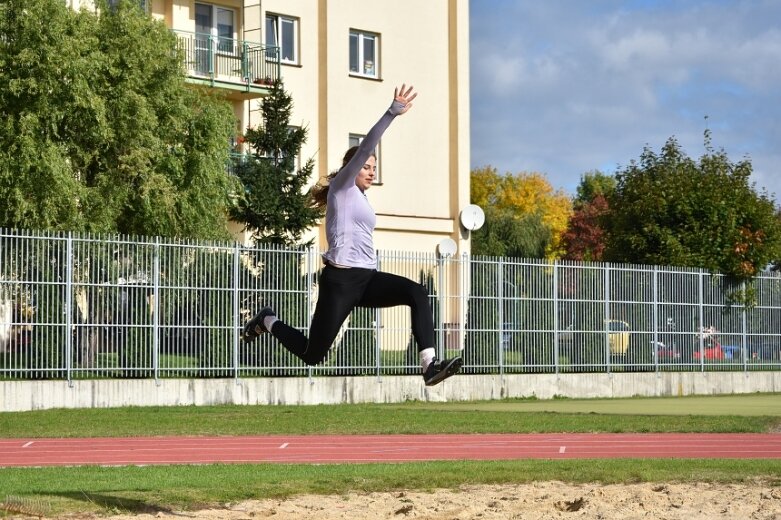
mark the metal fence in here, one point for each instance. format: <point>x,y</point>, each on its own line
<point>80,306</point>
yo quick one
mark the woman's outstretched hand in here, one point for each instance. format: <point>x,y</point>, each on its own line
<point>404,96</point>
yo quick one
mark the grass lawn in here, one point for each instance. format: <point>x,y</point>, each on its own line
<point>155,488</point>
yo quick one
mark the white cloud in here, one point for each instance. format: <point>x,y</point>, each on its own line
<point>564,88</point>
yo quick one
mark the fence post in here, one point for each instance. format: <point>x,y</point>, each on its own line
<point>500,300</point>
<point>744,332</point>
<point>607,319</point>
<point>68,307</point>
<point>655,313</point>
<point>701,328</point>
<point>440,305</point>
<point>236,317</point>
<point>556,314</point>
<point>156,312</point>
<point>377,333</point>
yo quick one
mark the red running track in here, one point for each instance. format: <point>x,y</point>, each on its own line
<point>324,449</point>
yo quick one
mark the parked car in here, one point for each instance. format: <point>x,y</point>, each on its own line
<point>764,348</point>
<point>711,346</point>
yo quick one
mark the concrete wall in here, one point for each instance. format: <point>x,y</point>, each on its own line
<point>37,395</point>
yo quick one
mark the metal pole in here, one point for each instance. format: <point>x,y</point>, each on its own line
<point>441,306</point>
<point>607,319</point>
<point>656,319</point>
<point>701,334</point>
<point>744,336</point>
<point>68,306</point>
<point>236,317</point>
<point>156,312</point>
<point>556,337</point>
<point>500,300</point>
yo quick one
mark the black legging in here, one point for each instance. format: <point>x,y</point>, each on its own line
<point>342,290</point>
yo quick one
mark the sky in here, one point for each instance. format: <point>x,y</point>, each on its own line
<point>564,87</point>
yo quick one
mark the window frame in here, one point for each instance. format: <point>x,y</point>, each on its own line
<point>360,36</point>
<point>214,32</point>
<point>278,20</point>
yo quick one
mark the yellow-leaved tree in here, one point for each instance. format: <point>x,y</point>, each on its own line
<point>524,195</point>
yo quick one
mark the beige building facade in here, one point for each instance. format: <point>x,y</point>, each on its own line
<point>340,60</point>
<point>351,54</point>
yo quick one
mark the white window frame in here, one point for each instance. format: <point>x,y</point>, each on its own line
<point>279,20</point>
<point>214,28</point>
<point>367,66</point>
<point>355,140</point>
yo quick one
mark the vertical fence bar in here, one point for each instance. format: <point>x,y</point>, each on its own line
<point>556,349</point>
<point>555,289</point>
<point>500,309</point>
<point>744,334</point>
<point>701,317</point>
<point>607,319</point>
<point>68,306</point>
<point>236,316</point>
<point>655,313</point>
<point>156,311</point>
<point>440,262</point>
<point>463,312</point>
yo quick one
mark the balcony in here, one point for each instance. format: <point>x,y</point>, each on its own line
<point>246,69</point>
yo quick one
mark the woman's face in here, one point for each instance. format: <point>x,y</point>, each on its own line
<point>366,175</point>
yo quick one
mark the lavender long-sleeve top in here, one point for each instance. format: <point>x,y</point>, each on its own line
<point>349,218</point>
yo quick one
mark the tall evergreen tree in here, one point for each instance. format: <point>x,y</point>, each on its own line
<point>274,205</point>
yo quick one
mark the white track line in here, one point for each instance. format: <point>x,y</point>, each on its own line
<point>28,444</point>
<point>284,446</point>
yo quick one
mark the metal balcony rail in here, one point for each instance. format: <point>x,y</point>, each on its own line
<point>228,60</point>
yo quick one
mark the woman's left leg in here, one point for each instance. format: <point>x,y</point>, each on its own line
<point>390,290</point>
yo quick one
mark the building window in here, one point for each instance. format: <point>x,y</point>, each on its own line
<point>143,4</point>
<point>364,54</point>
<point>355,140</point>
<point>282,32</point>
<point>216,22</point>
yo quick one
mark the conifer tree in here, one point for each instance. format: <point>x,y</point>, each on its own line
<point>274,205</point>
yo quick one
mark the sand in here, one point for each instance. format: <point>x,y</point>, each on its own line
<point>541,500</point>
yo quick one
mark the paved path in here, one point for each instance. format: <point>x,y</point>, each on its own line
<point>380,448</point>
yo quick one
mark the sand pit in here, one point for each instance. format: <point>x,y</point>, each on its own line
<point>541,500</point>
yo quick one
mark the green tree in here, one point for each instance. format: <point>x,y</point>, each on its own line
<point>668,209</point>
<point>505,234</point>
<point>274,205</point>
<point>527,210</point>
<point>593,184</point>
<point>100,131</point>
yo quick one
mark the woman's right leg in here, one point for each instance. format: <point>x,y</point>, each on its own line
<point>339,291</point>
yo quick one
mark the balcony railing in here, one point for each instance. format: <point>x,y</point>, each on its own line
<point>229,63</point>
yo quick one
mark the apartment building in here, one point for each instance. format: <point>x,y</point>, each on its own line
<point>340,60</point>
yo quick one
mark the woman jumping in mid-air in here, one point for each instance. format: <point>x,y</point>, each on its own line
<point>350,278</point>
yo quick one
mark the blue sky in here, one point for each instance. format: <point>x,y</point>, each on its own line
<point>563,87</point>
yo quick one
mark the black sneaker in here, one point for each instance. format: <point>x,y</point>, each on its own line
<point>438,371</point>
<point>255,327</point>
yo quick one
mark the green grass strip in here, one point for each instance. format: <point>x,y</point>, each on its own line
<point>488,417</point>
